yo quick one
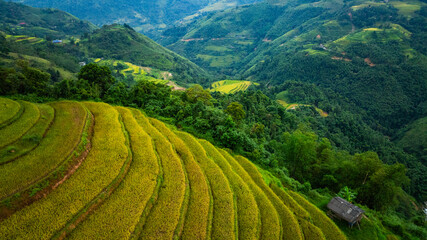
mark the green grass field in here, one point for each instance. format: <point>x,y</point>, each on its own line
<point>103,172</point>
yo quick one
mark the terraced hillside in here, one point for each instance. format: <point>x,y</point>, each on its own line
<point>231,86</point>
<point>85,170</point>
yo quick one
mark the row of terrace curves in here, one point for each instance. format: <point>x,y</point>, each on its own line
<point>85,170</point>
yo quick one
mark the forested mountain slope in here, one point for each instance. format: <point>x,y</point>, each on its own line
<point>28,32</point>
<point>371,52</point>
<point>303,131</point>
<point>24,20</point>
<point>143,15</point>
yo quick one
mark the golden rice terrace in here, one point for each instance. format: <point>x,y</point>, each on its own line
<point>85,170</point>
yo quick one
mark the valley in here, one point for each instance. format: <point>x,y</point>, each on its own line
<point>241,119</point>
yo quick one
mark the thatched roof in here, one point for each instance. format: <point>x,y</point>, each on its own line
<point>345,210</point>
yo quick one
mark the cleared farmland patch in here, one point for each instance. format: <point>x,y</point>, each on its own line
<point>117,217</point>
<point>223,216</point>
<point>247,209</point>
<point>197,212</point>
<point>270,222</point>
<point>60,141</point>
<point>329,229</point>
<point>103,163</point>
<point>16,129</point>
<point>8,111</point>
<point>290,226</point>
<point>31,139</point>
<point>231,86</point>
<point>165,215</point>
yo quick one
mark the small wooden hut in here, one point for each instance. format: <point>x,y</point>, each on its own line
<point>344,210</point>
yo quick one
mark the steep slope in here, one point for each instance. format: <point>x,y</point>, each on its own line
<point>139,179</point>
<point>27,33</point>
<point>366,51</point>
<point>144,15</point>
<point>19,19</point>
<point>413,139</point>
<point>123,43</point>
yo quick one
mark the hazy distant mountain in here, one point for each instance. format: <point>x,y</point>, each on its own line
<point>143,15</point>
<point>18,19</point>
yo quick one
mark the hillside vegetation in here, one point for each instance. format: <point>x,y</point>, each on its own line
<point>144,15</point>
<point>150,181</point>
<point>27,33</point>
<point>24,20</point>
<point>231,86</point>
<point>339,83</point>
<point>371,52</point>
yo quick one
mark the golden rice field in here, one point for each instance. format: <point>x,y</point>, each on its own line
<point>139,73</point>
<point>85,170</point>
<point>293,106</point>
<point>231,86</point>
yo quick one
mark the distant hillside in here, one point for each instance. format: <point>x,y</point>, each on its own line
<point>371,52</point>
<point>27,33</point>
<point>18,19</point>
<point>123,43</point>
<point>143,15</point>
<point>414,139</point>
<point>85,170</point>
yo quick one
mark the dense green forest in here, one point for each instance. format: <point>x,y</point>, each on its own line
<point>369,149</point>
<point>365,51</point>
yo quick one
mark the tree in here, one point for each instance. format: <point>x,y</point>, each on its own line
<point>197,93</point>
<point>235,110</point>
<point>347,194</point>
<point>383,188</point>
<point>97,75</point>
<point>150,95</point>
<point>299,151</point>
